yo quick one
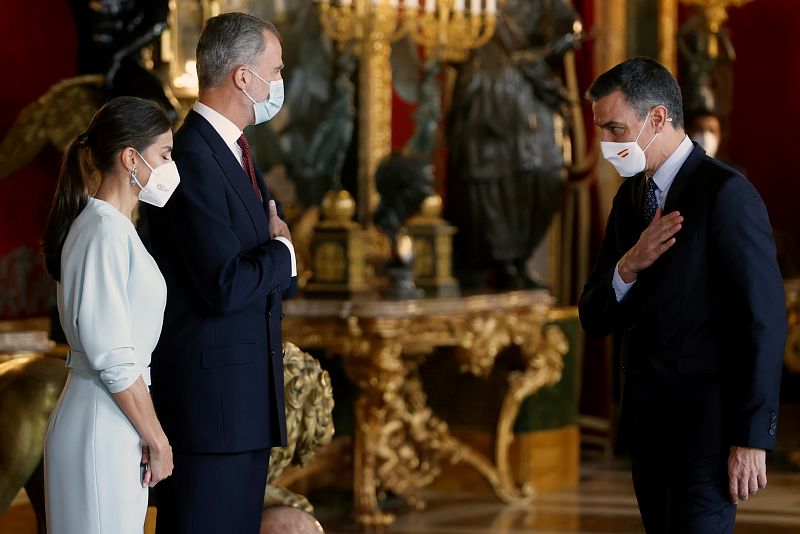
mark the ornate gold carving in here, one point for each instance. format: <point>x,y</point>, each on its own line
<point>545,362</point>
<point>424,259</point>
<point>329,262</point>
<point>399,443</point>
<point>433,249</point>
<point>376,105</point>
<point>309,426</point>
<point>56,117</point>
<point>451,38</point>
<point>337,248</point>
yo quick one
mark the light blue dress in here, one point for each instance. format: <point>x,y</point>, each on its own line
<point>111,303</point>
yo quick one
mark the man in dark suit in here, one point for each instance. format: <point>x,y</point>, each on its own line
<point>687,277</point>
<point>228,261</point>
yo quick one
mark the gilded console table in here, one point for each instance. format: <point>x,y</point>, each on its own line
<point>399,442</point>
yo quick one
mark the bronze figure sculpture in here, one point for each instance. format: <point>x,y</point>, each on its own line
<point>506,170</point>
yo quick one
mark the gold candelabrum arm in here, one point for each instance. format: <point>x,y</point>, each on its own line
<point>452,36</point>
<point>443,29</point>
<point>341,22</point>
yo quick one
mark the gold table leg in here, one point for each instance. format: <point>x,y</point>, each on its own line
<point>400,443</point>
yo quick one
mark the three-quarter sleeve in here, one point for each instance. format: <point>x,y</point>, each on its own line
<point>104,312</point>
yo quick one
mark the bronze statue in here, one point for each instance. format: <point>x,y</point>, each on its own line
<point>706,67</point>
<point>428,113</point>
<point>505,176</point>
<point>314,138</point>
<point>403,180</point>
<point>326,154</point>
<point>111,35</point>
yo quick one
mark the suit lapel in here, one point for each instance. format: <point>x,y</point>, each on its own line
<point>682,178</point>
<point>262,186</point>
<point>233,172</point>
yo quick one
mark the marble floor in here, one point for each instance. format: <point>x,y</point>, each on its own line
<point>602,503</point>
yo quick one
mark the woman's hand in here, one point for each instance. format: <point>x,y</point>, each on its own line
<point>158,463</point>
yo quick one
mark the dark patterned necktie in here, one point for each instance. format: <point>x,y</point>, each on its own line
<point>650,200</point>
<point>247,163</point>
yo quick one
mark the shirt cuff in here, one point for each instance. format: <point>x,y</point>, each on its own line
<point>291,252</point>
<point>620,287</point>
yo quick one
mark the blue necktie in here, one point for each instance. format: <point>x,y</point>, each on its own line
<point>650,201</point>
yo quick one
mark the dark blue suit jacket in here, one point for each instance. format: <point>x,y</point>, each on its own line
<point>217,371</point>
<point>703,329</point>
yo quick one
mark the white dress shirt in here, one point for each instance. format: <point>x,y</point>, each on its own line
<point>663,179</point>
<point>230,134</point>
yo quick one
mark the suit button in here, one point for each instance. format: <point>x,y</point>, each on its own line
<point>269,315</point>
<point>771,431</point>
<point>283,316</point>
<point>272,352</point>
<point>773,426</point>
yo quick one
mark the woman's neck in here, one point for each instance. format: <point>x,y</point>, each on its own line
<point>118,192</point>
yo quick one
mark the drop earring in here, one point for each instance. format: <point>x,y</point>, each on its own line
<point>133,176</point>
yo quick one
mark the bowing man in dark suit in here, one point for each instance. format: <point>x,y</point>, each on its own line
<point>229,262</point>
<point>687,277</point>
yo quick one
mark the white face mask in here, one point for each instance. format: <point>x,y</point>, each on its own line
<point>267,109</point>
<point>628,158</point>
<point>164,179</point>
<point>708,141</point>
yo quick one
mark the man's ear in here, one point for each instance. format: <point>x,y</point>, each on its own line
<point>239,75</point>
<point>660,117</point>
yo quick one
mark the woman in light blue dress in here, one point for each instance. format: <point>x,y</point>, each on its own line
<point>104,443</point>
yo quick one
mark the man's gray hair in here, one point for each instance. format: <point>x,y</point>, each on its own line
<point>646,83</point>
<point>227,41</point>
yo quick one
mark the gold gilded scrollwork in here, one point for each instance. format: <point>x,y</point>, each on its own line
<point>545,363</point>
<point>400,443</point>
<point>309,423</point>
<point>487,333</point>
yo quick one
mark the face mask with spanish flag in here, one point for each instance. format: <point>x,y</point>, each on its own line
<point>628,158</point>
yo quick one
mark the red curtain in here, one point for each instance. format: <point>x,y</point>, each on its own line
<point>39,48</point>
<point>765,110</point>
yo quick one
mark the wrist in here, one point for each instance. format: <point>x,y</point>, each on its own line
<point>159,444</point>
<point>628,275</point>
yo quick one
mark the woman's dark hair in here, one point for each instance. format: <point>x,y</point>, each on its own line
<point>123,122</point>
